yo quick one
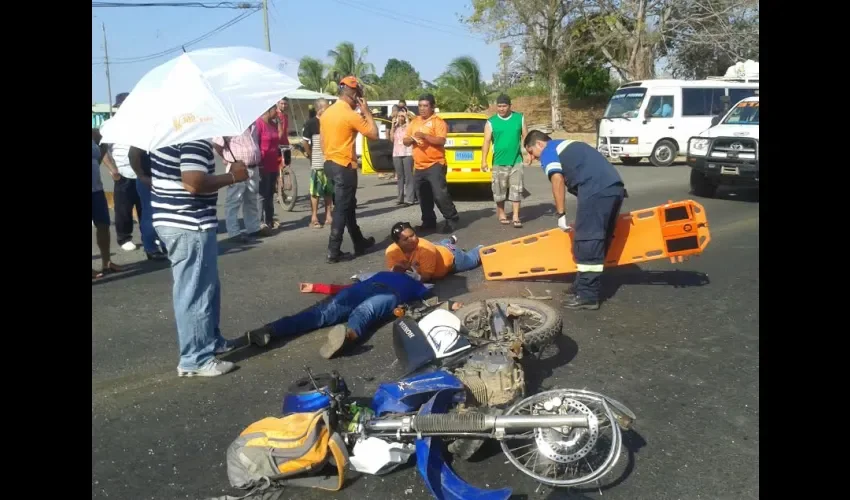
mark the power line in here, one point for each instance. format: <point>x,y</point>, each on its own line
<point>181,47</point>
<point>201,5</point>
<point>420,23</point>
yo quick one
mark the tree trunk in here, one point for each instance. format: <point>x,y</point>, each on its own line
<point>555,100</point>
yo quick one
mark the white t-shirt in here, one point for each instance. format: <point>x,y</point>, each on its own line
<point>121,156</point>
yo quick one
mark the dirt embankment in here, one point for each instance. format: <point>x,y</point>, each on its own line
<point>578,116</point>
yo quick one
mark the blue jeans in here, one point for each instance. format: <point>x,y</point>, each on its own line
<point>363,305</point>
<point>464,260</point>
<point>196,293</point>
<point>146,224</point>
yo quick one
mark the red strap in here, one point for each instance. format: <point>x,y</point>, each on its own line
<point>328,289</point>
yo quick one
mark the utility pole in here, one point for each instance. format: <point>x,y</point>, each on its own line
<point>106,64</point>
<point>266,24</point>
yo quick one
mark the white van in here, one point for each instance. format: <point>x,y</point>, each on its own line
<point>728,152</point>
<point>655,118</point>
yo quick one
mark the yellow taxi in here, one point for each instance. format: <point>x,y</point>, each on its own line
<point>463,149</point>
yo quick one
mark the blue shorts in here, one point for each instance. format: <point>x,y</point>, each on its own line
<point>99,209</point>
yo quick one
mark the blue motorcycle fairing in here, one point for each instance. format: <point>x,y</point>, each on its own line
<point>302,396</point>
<point>408,394</point>
<point>441,480</point>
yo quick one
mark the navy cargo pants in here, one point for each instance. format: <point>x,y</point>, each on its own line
<point>596,217</point>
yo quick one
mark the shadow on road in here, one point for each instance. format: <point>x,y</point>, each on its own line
<point>632,274</point>
<point>129,270</point>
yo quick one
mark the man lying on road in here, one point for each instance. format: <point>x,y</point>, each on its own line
<point>425,260</point>
<point>354,309</point>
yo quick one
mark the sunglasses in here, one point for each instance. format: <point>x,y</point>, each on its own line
<point>399,228</point>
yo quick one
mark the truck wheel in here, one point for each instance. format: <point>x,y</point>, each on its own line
<point>629,162</point>
<point>701,185</point>
<point>664,153</point>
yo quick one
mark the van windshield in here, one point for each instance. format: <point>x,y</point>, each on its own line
<point>745,113</point>
<point>625,103</point>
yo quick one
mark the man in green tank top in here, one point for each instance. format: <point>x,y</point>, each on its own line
<point>506,130</point>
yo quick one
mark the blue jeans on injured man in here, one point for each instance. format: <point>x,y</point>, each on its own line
<point>362,306</point>
<point>196,293</point>
<point>464,259</point>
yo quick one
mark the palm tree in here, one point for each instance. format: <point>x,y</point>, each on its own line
<point>311,72</point>
<point>460,86</point>
<point>346,61</point>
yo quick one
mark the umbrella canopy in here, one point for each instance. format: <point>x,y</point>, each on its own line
<point>201,94</point>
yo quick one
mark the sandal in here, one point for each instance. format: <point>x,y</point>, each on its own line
<point>517,224</point>
<point>109,269</point>
<point>316,225</point>
<point>505,221</point>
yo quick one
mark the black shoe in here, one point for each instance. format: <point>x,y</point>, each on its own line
<point>342,257</point>
<point>425,227</point>
<point>157,256</point>
<point>364,245</point>
<point>260,337</point>
<point>447,227</point>
<point>576,302</point>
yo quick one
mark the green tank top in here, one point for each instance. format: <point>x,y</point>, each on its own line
<point>507,134</point>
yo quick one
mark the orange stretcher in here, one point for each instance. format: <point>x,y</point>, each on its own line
<point>676,231</point>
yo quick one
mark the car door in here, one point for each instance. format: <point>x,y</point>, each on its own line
<point>377,154</point>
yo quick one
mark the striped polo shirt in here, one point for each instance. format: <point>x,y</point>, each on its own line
<point>172,205</point>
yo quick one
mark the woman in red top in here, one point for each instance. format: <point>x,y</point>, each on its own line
<point>269,134</point>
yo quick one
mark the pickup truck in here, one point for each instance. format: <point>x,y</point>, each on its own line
<point>727,153</point>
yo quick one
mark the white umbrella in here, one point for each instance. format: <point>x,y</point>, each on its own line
<point>199,95</point>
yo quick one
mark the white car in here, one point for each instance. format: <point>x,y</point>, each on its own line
<point>727,153</point>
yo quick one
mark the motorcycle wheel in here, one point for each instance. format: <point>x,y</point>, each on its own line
<point>537,333</point>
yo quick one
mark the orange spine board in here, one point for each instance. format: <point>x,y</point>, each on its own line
<point>672,231</point>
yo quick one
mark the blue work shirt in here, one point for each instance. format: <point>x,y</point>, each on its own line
<point>586,172</point>
<point>405,288</point>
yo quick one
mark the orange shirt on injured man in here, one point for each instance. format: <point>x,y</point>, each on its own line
<point>429,260</point>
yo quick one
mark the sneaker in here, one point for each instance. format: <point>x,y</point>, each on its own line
<point>128,247</point>
<point>337,337</point>
<point>260,337</point>
<point>212,368</point>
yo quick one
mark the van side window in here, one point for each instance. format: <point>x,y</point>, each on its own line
<point>737,95</point>
<point>702,102</point>
<point>661,106</point>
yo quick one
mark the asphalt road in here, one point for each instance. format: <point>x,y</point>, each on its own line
<point>679,344</point>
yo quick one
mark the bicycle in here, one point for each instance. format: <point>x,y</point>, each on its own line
<point>287,185</point>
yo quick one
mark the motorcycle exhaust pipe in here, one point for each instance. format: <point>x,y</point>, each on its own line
<point>474,422</point>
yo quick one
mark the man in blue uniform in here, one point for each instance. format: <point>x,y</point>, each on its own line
<point>581,170</point>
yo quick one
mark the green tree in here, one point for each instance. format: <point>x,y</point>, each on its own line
<point>399,80</point>
<point>345,60</point>
<point>460,87</point>
<point>312,74</point>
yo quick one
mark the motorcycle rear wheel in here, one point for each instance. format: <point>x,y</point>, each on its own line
<point>545,325</point>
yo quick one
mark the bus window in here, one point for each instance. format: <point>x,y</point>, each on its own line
<point>737,95</point>
<point>661,106</point>
<point>702,101</point>
<point>625,103</point>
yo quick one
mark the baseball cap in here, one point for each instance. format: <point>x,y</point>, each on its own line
<point>119,99</point>
<point>350,81</point>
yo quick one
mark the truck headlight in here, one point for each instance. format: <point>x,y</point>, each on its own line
<point>698,147</point>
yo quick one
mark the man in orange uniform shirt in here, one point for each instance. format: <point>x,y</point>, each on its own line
<point>427,134</point>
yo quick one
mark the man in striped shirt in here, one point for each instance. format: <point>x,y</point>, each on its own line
<point>183,198</point>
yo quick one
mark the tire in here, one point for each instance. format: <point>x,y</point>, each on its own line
<point>287,200</point>
<point>534,340</point>
<point>630,162</point>
<point>664,153</point>
<point>701,185</point>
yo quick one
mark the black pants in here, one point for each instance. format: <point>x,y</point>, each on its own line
<point>431,188</point>
<point>125,197</point>
<point>345,201</point>
<point>268,186</point>
<point>596,218</point>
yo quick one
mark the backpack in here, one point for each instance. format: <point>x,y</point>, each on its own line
<point>287,450</point>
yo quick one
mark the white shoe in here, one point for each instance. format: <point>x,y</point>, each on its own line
<point>128,247</point>
<point>454,239</point>
<point>212,368</point>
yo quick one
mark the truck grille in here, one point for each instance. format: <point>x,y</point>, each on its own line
<point>725,147</point>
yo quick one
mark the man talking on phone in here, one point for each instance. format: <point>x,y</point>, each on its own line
<point>338,128</point>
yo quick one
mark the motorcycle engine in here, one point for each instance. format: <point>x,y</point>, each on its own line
<point>492,377</point>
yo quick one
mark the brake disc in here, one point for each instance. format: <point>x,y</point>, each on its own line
<point>566,444</point>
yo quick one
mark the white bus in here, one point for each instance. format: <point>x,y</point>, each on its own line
<point>655,118</point>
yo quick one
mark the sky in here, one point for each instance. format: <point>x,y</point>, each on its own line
<point>429,38</point>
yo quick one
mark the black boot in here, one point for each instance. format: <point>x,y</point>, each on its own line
<point>342,257</point>
<point>364,245</point>
<point>576,302</point>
